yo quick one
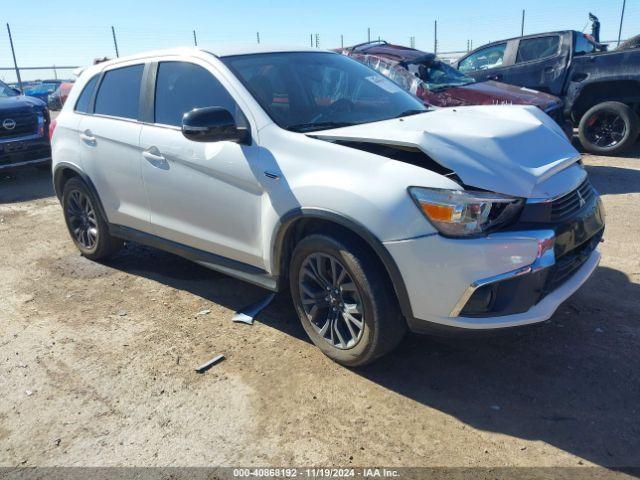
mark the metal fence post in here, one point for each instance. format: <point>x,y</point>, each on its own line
<point>15,63</point>
<point>258,36</point>
<point>115,42</point>
<point>317,40</point>
<point>195,39</point>
<point>624,2</point>
<point>435,37</point>
<point>522,26</point>
<point>341,41</point>
<point>311,39</point>
<point>368,34</point>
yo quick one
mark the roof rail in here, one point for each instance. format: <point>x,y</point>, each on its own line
<point>372,42</point>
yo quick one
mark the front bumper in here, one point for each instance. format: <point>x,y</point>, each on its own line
<point>24,151</point>
<point>503,280</point>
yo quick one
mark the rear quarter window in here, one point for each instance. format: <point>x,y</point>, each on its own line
<point>82,105</point>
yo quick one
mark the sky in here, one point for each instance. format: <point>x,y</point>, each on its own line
<point>73,32</point>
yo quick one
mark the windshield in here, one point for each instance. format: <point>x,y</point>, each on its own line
<point>7,91</point>
<point>306,91</point>
<point>438,75</point>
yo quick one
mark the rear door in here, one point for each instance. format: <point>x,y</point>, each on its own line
<point>539,64</point>
<point>110,136</point>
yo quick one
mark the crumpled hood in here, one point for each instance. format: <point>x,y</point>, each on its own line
<point>505,149</point>
<point>496,93</point>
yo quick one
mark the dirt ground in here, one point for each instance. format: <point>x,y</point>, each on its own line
<point>97,364</point>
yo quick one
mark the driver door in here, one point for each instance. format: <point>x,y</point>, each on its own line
<point>203,195</point>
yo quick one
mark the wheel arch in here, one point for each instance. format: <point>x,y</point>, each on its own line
<point>63,172</point>
<point>300,222</point>
<point>623,91</point>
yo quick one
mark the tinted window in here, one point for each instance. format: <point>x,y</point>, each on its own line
<point>583,45</point>
<point>119,92</point>
<point>181,87</point>
<point>82,105</point>
<point>485,59</point>
<point>305,91</point>
<point>537,48</point>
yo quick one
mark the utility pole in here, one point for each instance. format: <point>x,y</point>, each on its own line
<point>195,39</point>
<point>435,37</point>
<point>15,63</point>
<point>115,42</point>
<point>368,35</point>
<point>522,26</point>
<point>317,40</point>
<point>412,41</point>
<point>55,72</point>
<point>624,2</point>
<point>341,41</point>
<point>258,36</point>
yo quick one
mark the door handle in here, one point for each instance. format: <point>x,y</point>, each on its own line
<point>88,138</point>
<point>155,159</point>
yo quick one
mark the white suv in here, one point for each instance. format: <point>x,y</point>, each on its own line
<point>305,169</point>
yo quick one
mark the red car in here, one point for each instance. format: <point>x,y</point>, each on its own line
<point>437,83</point>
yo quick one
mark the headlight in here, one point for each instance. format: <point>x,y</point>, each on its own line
<point>460,213</point>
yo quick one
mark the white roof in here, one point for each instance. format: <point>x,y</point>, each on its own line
<point>219,50</point>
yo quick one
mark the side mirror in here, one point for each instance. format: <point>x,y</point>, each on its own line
<point>213,124</point>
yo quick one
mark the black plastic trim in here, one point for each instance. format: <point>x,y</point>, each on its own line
<point>225,265</point>
<point>57,177</point>
<point>289,218</point>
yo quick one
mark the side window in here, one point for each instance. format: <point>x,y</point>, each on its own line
<point>583,45</point>
<point>490,57</point>
<point>182,86</point>
<point>537,48</point>
<point>119,92</point>
<point>82,105</point>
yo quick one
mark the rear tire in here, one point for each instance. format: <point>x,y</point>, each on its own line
<point>609,128</point>
<point>86,225</point>
<point>356,319</point>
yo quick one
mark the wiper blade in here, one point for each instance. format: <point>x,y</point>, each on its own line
<point>413,111</point>
<point>307,127</point>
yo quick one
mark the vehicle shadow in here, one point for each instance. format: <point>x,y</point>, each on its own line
<point>571,382</point>
<point>25,184</point>
<point>180,273</point>
<point>614,180</point>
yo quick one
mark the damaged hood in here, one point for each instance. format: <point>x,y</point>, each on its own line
<point>493,93</point>
<point>505,149</point>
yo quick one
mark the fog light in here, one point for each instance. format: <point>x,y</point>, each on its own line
<point>480,302</point>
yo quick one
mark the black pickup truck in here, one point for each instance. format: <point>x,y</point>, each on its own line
<point>600,89</point>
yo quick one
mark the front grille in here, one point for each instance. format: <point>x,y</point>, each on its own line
<point>26,123</point>
<point>570,262</point>
<point>568,204</point>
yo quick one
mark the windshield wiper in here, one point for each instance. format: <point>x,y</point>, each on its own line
<point>413,111</point>
<point>307,127</point>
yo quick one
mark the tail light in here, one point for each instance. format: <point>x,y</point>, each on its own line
<point>52,127</point>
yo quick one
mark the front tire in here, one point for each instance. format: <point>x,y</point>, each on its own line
<point>344,299</point>
<point>608,128</point>
<point>85,223</point>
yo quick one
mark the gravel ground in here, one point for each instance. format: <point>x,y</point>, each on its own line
<point>97,364</point>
